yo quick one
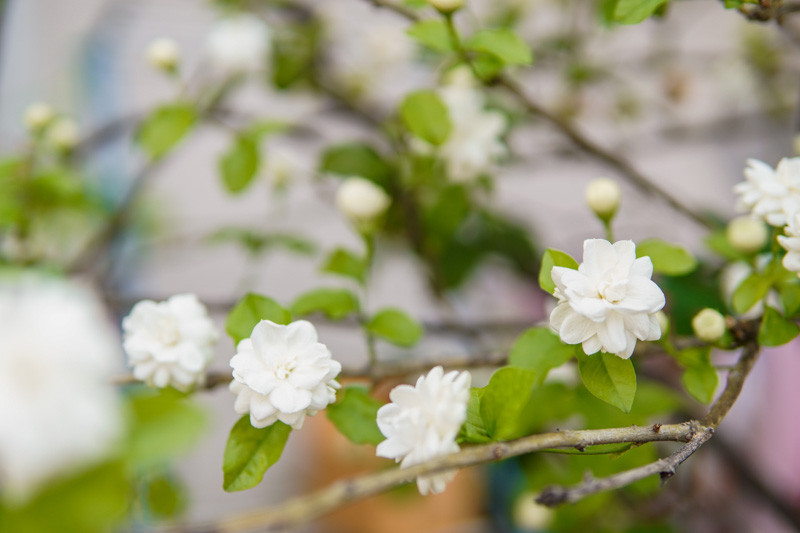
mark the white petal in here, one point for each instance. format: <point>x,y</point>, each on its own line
<point>612,333</point>
<point>576,329</point>
<point>288,399</point>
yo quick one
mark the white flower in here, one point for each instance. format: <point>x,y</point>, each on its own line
<point>63,134</point>
<point>747,234</point>
<point>422,422</point>
<point>170,342</point>
<point>603,196</point>
<point>59,411</point>
<point>609,301</point>
<point>709,325</point>
<point>239,43</point>
<point>791,243</point>
<point>283,373</point>
<point>38,116</point>
<point>773,195</point>
<point>475,139</point>
<point>361,200</point>
<point>163,54</point>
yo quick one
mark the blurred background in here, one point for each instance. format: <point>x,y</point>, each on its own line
<point>686,97</point>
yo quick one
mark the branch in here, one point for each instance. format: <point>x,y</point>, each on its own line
<point>306,508</point>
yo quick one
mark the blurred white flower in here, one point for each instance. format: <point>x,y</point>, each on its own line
<point>603,196</point>
<point>422,422</point>
<point>709,325</point>
<point>240,43</point>
<point>170,342</point>
<point>163,54</point>
<point>747,234</point>
<point>791,243</point>
<point>63,134</point>
<point>58,409</point>
<point>361,200</point>
<point>609,301</point>
<point>38,116</point>
<point>770,194</point>
<point>283,373</point>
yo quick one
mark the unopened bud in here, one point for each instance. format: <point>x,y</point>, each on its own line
<point>446,6</point>
<point>38,116</point>
<point>747,234</point>
<point>530,515</point>
<point>164,54</point>
<point>361,200</point>
<point>63,134</point>
<point>603,197</point>
<point>709,325</point>
<point>663,322</point>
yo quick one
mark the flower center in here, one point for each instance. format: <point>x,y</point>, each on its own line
<point>284,369</point>
<point>612,291</point>
<point>167,331</point>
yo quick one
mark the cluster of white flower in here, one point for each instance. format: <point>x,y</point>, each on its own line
<point>422,422</point>
<point>283,373</point>
<point>609,301</point>
<point>239,44</point>
<point>58,409</point>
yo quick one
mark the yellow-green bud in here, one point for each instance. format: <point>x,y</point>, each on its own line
<point>709,325</point>
<point>361,200</point>
<point>164,54</point>
<point>663,322</point>
<point>446,6</point>
<point>38,116</point>
<point>603,196</point>
<point>63,134</point>
<point>747,234</point>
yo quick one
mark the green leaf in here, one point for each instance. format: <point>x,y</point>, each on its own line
<point>396,327</point>
<point>752,290</point>
<point>432,33</point>
<point>635,11</point>
<point>355,159</point>
<point>249,311</point>
<point>503,44</point>
<point>701,382</point>
<point>355,416</point>
<point>164,424</point>
<point>250,452</point>
<point>239,164</point>
<point>667,258</point>
<point>504,399</point>
<point>165,127</point>
<point>334,303</point>
<point>164,497</point>
<point>474,428</point>
<point>610,378</point>
<point>426,116</point>
<point>551,258</point>
<point>346,263</point>
<point>258,242</point>
<point>92,501</point>
<point>775,329</point>
<point>790,297</point>
<point>540,349</point>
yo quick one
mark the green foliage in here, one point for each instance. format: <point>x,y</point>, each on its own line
<point>294,51</point>
<point>336,304</point>
<point>503,44</point>
<point>474,429</point>
<point>610,378</point>
<point>752,290</point>
<point>249,311</point>
<point>700,378</point>
<point>504,400</point>
<point>432,33</point>
<point>355,416</point>
<point>789,291</point>
<point>635,11</point>
<point>250,451</point>
<point>426,116</point>
<point>539,349</point>
<point>164,128</point>
<point>164,497</point>
<point>776,330</point>
<point>239,165</point>
<point>355,159</point>
<point>686,295</point>
<point>395,326</point>
<point>346,263</point>
<point>163,425</point>
<point>551,258</point>
<point>257,242</point>
<point>93,501</point>
<point>669,259</point>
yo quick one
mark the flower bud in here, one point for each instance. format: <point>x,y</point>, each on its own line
<point>709,325</point>
<point>446,6</point>
<point>38,116</point>
<point>602,197</point>
<point>531,516</point>
<point>747,234</point>
<point>663,322</point>
<point>239,44</point>
<point>63,134</point>
<point>361,200</point>
<point>164,54</point>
